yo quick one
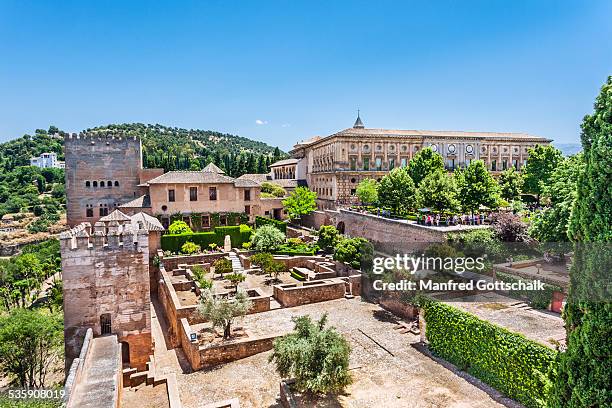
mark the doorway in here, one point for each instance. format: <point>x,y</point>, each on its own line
<point>105,324</point>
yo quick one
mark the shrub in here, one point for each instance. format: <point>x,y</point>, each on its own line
<point>510,228</point>
<point>349,251</point>
<point>246,245</point>
<point>223,265</point>
<point>238,235</point>
<point>199,275</point>
<point>262,259</point>
<point>267,238</point>
<point>190,248</point>
<point>505,360</point>
<point>317,357</point>
<point>179,227</point>
<point>328,237</point>
<point>261,221</point>
<point>295,241</point>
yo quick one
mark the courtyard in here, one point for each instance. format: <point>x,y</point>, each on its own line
<point>387,370</point>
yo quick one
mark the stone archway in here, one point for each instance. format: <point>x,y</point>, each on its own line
<point>340,227</point>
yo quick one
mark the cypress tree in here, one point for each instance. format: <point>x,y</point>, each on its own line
<point>584,374</point>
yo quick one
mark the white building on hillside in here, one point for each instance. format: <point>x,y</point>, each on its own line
<point>46,160</point>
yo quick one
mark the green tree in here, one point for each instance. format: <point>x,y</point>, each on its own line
<point>476,187</point>
<point>584,374</point>
<point>367,191</point>
<point>221,311</point>
<point>267,238</point>
<point>551,224</point>
<point>439,192</point>
<point>542,161</point>
<point>222,266</point>
<point>510,184</point>
<point>424,163</point>
<point>328,237</point>
<point>31,342</point>
<point>300,202</point>
<point>315,356</point>
<point>273,189</point>
<point>179,227</point>
<point>396,190</point>
<point>351,251</point>
<point>235,279</point>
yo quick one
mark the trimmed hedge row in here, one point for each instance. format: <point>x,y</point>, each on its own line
<point>507,361</point>
<point>280,225</point>
<point>238,235</point>
<point>539,299</point>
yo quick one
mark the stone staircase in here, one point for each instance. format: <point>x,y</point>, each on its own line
<point>236,264</point>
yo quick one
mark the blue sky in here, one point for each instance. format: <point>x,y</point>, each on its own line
<point>282,71</point>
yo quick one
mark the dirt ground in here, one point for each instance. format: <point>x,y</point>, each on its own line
<point>387,370</point>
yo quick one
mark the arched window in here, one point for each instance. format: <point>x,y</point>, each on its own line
<point>116,183</point>
<point>109,184</point>
<point>95,184</point>
<point>102,184</point>
<point>87,183</point>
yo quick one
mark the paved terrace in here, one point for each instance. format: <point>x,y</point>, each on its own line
<point>394,375</point>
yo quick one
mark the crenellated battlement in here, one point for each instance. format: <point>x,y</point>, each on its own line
<point>109,235</point>
<point>89,137</point>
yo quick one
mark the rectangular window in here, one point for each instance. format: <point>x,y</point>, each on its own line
<point>89,212</point>
<point>103,211</point>
<point>403,162</point>
<point>212,193</point>
<point>247,209</point>
<point>493,165</point>
<point>205,221</point>
<point>353,191</point>
<point>504,164</point>
<point>378,163</point>
<point>171,196</point>
<point>366,163</point>
<point>247,195</point>
<point>353,161</point>
<point>193,194</point>
<point>391,163</point>
<point>515,164</point>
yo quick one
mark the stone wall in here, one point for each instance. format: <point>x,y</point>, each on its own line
<point>100,159</point>
<point>106,271</point>
<point>232,350</point>
<point>387,235</point>
<point>292,294</point>
<point>315,219</point>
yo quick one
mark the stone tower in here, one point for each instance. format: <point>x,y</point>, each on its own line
<point>102,172</point>
<point>106,287</point>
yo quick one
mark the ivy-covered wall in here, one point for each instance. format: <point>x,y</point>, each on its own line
<point>507,361</point>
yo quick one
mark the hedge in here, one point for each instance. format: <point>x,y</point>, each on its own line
<point>281,225</point>
<point>238,235</point>
<point>507,361</point>
<point>539,299</point>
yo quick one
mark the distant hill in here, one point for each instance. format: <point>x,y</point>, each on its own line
<point>568,149</point>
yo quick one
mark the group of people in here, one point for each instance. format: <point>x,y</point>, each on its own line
<point>464,219</point>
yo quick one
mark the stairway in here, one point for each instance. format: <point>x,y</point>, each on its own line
<point>236,264</point>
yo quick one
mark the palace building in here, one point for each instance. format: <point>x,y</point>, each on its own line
<point>333,166</point>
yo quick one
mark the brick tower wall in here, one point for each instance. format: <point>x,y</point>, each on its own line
<point>107,271</point>
<point>98,158</point>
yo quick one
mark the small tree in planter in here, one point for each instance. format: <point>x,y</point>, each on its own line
<point>315,356</point>
<point>267,238</point>
<point>328,237</point>
<point>262,259</point>
<point>199,275</point>
<point>222,311</point>
<point>274,268</point>
<point>223,265</point>
<point>235,279</point>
